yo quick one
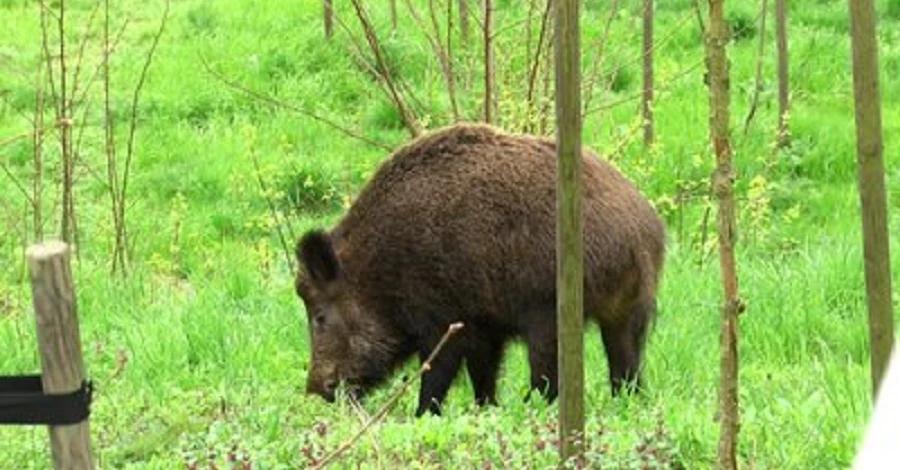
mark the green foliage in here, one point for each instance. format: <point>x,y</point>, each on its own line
<point>200,354</point>
<point>893,8</point>
<point>742,25</point>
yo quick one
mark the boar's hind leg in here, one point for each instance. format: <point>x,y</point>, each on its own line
<point>437,380</point>
<point>624,343</point>
<point>483,364</point>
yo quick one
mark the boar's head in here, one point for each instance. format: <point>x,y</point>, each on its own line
<point>349,343</point>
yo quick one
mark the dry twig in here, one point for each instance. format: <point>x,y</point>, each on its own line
<point>273,101</point>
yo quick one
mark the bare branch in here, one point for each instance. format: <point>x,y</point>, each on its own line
<point>359,55</point>
<point>662,42</point>
<point>634,96</point>
<point>45,47</point>
<point>699,12</point>
<point>16,182</point>
<point>81,48</point>
<point>273,101</point>
<point>78,101</point>
<point>129,154</point>
<point>591,79</point>
<point>757,87</point>
<point>285,246</point>
<point>539,49</point>
<point>371,37</point>
<point>439,52</point>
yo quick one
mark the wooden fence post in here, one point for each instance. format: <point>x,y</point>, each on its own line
<point>59,341</point>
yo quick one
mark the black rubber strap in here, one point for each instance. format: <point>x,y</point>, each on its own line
<point>23,401</point>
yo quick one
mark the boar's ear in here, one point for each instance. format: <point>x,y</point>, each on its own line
<point>316,253</point>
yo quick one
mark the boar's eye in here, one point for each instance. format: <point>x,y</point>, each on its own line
<point>318,320</point>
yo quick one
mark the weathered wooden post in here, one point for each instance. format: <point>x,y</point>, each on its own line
<point>59,342</point>
<point>569,235</point>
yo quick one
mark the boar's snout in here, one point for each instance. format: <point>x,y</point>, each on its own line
<point>323,388</point>
<point>322,381</point>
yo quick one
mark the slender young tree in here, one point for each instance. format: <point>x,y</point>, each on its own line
<point>64,118</point>
<point>870,163</point>
<point>569,236</point>
<point>488,39</point>
<point>328,17</point>
<point>722,183</point>
<point>647,96</point>
<point>394,14</point>
<point>464,21</point>
<point>784,105</point>
<point>38,155</point>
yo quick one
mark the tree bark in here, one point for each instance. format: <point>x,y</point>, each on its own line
<point>784,106</point>
<point>870,162</point>
<point>647,100</point>
<point>723,181</point>
<point>569,236</point>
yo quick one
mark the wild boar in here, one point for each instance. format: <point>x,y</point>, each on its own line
<point>460,225</point>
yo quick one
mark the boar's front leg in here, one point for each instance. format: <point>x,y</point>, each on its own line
<point>483,365</point>
<point>437,380</point>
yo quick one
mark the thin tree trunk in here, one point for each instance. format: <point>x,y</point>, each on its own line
<point>784,106</point>
<point>118,253</point>
<point>531,93</point>
<point>38,157</point>
<point>548,69</point>
<point>328,17</point>
<point>65,123</point>
<point>488,60</point>
<point>569,245</point>
<point>529,107</point>
<point>450,69</point>
<point>394,14</point>
<point>870,161</point>
<point>464,21</point>
<point>723,181</point>
<point>647,101</point>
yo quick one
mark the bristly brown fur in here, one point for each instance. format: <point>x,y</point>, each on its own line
<point>459,225</point>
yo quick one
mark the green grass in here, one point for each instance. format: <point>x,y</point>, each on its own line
<point>204,346</point>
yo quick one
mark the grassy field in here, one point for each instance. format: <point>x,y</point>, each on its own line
<point>202,349</point>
